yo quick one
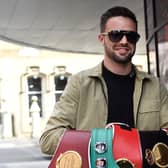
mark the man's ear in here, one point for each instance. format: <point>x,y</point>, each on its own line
<point>101,38</point>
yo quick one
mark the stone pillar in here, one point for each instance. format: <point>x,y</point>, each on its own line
<point>6,121</point>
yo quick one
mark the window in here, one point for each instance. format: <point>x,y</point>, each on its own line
<point>33,84</point>
<point>60,81</point>
<point>35,89</point>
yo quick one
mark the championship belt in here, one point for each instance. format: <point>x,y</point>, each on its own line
<point>72,152</point>
<point>126,146</point>
<point>112,147</point>
<point>101,155</point>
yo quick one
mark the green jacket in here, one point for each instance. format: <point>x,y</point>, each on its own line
<point>83,105</point>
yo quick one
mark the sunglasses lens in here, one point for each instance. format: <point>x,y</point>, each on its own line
<point>116,36</point>
<point>132,37</point>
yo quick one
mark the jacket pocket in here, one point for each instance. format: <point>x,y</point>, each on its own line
<point>150,106</point>
<point>149,116</point>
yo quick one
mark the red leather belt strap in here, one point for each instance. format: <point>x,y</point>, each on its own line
<point>126,144</point>
<point>73,140</point>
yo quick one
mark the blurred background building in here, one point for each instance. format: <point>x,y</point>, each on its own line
<point>44,42</point>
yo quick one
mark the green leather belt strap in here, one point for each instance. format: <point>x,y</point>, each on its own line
<point>101,155</point>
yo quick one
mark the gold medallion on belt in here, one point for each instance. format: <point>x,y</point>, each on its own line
<point>69,159</point>
<point>158,155</point>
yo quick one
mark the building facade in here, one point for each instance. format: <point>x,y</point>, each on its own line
<point>30,86</point>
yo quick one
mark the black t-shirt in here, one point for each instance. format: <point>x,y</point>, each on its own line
<point>120,97</point>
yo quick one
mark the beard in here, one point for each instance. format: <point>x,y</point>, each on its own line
<point>121,59</point>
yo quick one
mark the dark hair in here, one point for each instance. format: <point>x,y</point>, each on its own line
<point>116,11</point>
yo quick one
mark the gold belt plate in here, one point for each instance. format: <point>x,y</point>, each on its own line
<point>69,159</point>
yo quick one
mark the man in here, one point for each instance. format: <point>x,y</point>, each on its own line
<point>113,91</point>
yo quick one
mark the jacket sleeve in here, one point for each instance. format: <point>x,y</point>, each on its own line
<point>164,107</point>
<point>62,118</point>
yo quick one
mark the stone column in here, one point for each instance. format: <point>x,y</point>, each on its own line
<point>6,121</point>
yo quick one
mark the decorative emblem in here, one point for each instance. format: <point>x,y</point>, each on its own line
<point>100,147</point>
<point>165,130</point>
<point>101,163</point>
<point>125,163</point>
<point>158,155</point>
<point>69,159</point>
<point>149,157</point>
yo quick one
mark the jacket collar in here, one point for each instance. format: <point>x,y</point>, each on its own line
<point>97,72</point>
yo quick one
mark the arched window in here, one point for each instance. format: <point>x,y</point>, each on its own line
<point>60,80</point>
<point>33,83</point>
<point>35,89</point>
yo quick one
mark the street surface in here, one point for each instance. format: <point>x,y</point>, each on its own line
<point>22,153</point>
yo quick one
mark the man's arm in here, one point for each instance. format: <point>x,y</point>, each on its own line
<point>62,118</point>
<point>164,107</point>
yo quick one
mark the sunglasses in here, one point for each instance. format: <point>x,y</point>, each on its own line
<point>117,35</point>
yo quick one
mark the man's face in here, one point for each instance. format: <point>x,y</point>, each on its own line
<point>121,51</point>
